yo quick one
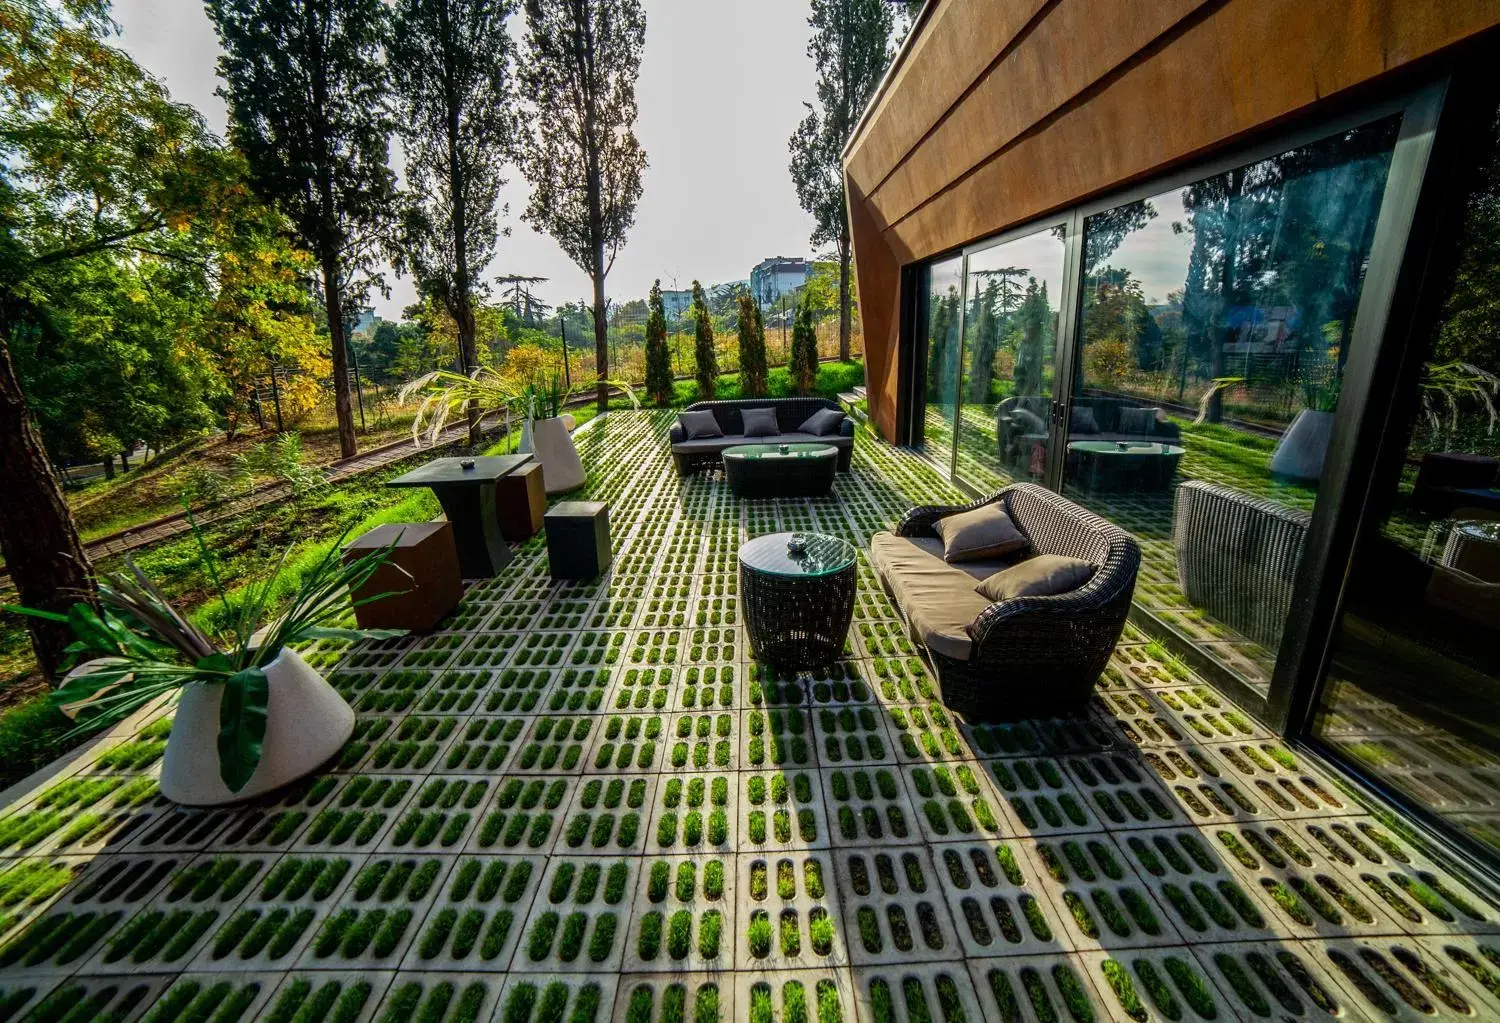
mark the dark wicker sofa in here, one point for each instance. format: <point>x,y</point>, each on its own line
<point>1018,658</point>
<point>705,453</point>
<point>1020,417</point>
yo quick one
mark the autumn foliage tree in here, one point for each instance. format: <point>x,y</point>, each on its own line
<point>752,348</point>
<point>658,358</point>
<point>705,356</point>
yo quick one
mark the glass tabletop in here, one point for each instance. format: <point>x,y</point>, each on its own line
<point>821,554</point>
<point>776,451</point>
<point>1124,447</point>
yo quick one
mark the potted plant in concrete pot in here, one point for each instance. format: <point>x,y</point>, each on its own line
<point>1302,448</point>
<point>251,714</point>
<point>538,399</point>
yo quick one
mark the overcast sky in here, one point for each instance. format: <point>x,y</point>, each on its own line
<point>721,88</point>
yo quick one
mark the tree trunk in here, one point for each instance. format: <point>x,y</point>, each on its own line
<point>601,332</point>
<point>463,304</point>
<point>109,467</point>
<point>42,551</point>
<point>348,441</point>
<point>844,311</point>
<point>125,461</point>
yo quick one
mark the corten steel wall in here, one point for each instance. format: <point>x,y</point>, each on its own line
<point>999,111</point>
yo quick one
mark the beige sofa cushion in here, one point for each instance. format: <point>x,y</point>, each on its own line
<point>937,599</point>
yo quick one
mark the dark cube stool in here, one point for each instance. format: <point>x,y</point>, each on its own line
<point>578,539</point>
<point>520,502</point>
<point>425,592</point>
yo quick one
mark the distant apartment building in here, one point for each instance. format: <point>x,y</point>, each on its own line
<point>675,304</point>
<point>777,276</point>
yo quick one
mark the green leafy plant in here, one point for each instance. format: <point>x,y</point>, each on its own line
<point>136,647</point>
<point>1448,386</point>
<point>540,395</point>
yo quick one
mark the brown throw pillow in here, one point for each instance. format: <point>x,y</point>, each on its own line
<point>985,532</point>
<point>1045,575</point>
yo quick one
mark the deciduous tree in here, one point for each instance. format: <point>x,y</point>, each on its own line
<point>850,47</point>
<point>658,359</point>
<point>307,92</point>
<point>452,64</point>
<point>95,159</point>
<point>582,158</point>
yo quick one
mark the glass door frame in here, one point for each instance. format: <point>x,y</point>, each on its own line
<point>1308,629</point>
<point>1420,276</point>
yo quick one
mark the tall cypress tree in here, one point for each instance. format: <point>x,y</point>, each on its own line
<point>752,349</point>
<point>307,106</point>
<point>804,361</point>
<point>703,346</point>
<point>658,358</point>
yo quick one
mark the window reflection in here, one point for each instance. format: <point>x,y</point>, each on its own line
<point>1413,693</point>
<point>940,375</point>
<point>1215,323</point>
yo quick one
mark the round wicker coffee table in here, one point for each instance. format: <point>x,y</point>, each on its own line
<point>798,604</point>
<point>780,470</point>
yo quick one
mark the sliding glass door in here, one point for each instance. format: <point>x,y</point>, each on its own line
<point>1011,296</point>
<point>987,330</point>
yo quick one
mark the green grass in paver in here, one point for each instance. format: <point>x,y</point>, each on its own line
<point>571,754</point>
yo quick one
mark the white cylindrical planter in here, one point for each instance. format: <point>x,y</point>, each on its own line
<point>1300,452</point>
<point>550,442</point>
<point>307,722</point>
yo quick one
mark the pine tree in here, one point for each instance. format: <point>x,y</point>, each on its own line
<point>703,346</point>
<point>752,349</point>
<point>804,361</point>
<point>658,358</point>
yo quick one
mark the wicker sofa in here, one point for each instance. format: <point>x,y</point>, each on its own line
<point>705,453</point>
<point>1237,556</point>
<point>1025,657</point>
<point>1022,416</point>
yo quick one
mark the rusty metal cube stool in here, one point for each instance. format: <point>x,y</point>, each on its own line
<point>421,575</point>
<point>520,502</point>
<point>578,539</point>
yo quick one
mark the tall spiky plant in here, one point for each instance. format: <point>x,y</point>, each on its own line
<point>804,360</point>
<point>704,354</point>
<point>752,349</point>
<point>658,358</point>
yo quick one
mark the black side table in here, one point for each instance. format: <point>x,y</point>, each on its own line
<point>798,604</point>
<point>467,494</point>
<point>577,539</point>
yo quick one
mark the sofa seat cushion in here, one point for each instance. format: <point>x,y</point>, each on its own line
<point>937,599</point>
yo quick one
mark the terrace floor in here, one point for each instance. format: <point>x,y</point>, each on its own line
<point>586,801</point>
